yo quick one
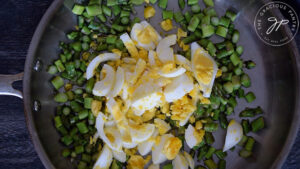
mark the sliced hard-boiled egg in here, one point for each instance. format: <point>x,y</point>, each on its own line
<point>103,87</point>
<point>166,55</point>
<point>180,86</point>
<point>151,57</point>
<point>129,145</point>
<point>145,97</point>
<point>172,147</point>
<point>180,162</point>
<point>173,73</point>
<point>90,71</point>
<point>184,121</point>
<point>204,68</point>
<point>153,166</point>
<point>129,60</point>
<point>184,62</point>
<point>162,126</point>
<point>145,35</point>
<point>145,147</point>
<point>189,159</point>
<point>118,116</point>
<point>129,44</point>
<point>234,135</point>
<point>119,82</point>
<point>120,156</point>
<point>193,136</point>
<point>105,158</point>
<point>163,50</point>
<point>141,132</point>
<point>139,69</point>
<point>166,43</point>
<point>157,153</point>
<point>110,135</point>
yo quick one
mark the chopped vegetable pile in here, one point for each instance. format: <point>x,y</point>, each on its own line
<point>130,97</point>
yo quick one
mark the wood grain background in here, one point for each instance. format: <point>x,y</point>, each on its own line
<point>18,20</point>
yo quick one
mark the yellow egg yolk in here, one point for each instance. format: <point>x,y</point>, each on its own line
<point>166,25</point>
<point>199,134</point>
<point>172,147</point>
<point>182,108</point>
<point>136,162</point>
<point>147,35</point>
<point>132,49</point>
<point>204,67</point>
<point>149,12</point>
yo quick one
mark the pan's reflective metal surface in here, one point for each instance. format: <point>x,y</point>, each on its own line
<point>274,81</point>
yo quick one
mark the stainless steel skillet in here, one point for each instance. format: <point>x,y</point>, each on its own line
<point>275,81</point>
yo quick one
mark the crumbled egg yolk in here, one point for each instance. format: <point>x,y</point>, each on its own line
<point>168,67</point>
<point>184,46</point>
<point>199,125</point>
<point>192,119</point>
<point>149,12</point>
<point>199,134</point>
<point>181,108</point>
<point>203,99</point>
<point>148,115</point>
<point>219,73</point>
<point>181,34</point>
<point>172,147</point>
<point>166,25</point>
<point>96,107</point>
<point>165,108</point>
<point>117,52</point>
<point>204,67</point>
<point>143,54</point>
<point>136,162</point>
<point>132,116</point>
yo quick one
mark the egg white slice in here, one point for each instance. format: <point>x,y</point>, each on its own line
<point>120,156</point>
<point>153,166</point>
<point>166,55</point>
<point>180,162</point>
<point>90,71</point>
<point>151,57</point>
<point>190,138</point>
<point>145,97</point>
<point>184,62</point>
<point>129,145</point>
<point>174,73</point>
<point>157,152</point>
<point>139,69</point>
<point>116,145</point>
<point>129,60</point>
<point>103,87</point>
<point>166,43</point>
<point>189,159</point>
<point>205,88</point>
<point>138,27</point>
<point>180,86</point>
<point>145,147</point>
<point>105,158</point>
<point>119,82</point>
<point>142,132</point>
<point>129,44</point>
<point>183,122</point>
<point>233,136</point>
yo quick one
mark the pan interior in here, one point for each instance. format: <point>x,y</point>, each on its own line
<point>273,82</point>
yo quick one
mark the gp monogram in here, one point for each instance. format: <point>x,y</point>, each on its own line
<point>270,28</point>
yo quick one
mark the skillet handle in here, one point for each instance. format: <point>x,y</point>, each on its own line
<point>6,82</point>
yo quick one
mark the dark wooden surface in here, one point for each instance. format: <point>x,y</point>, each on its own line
<point>18,20</point>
